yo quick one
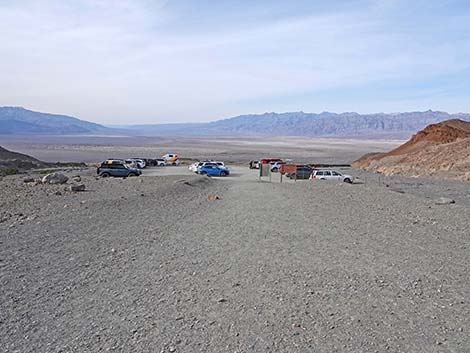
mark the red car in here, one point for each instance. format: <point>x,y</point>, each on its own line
<point>270,160</point>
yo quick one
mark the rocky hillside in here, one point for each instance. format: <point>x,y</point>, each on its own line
<point>13,162</point>
<point>441,149</point>
<point>17,120</point>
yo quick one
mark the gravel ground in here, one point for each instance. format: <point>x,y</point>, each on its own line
<point>151,265</point>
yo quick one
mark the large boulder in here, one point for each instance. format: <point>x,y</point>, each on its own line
<point>55,178</point>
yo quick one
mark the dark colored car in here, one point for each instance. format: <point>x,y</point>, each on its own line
<point>117,168</point>
<point>154,162</point>
<point>302,172</point>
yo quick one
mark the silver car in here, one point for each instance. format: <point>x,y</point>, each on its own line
<point>327,174</point>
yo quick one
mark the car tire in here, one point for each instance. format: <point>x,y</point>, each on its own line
<point>223,174</point>
<point>203,173</point>
<point>131,175</point>
<point>347,180</point>
<point>104,175</point>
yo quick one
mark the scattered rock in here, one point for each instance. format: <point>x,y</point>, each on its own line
<point>399,191</point>
<point>222,300</point>
<point>444,201</point>
<point>77,188</point>
<point>55,178</point>
<point>213,197</point>
<point>28,180</point>
<point>77,178</point>
<point>197,181</point>
<point>57,193</point>
<point>183,181</point>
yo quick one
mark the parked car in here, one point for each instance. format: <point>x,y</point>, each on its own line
<point>139,163</point>
<point>270,160</point>
<point>131,163</point>
<point>275,166</point>
<point>254,164</point>
<point>154,162</point>
<point>117,168</point>
<point>213,169</point>
<point>195,166</point>
<point>159,162</point>
<point>327,174</point>
<point>171,159</point>
<point>144,162</point>
<point>302,172</point>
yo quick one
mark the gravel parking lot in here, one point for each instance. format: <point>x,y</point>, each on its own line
<point>150,264</point>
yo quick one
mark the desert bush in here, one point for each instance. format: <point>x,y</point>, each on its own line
<point>10,171</point>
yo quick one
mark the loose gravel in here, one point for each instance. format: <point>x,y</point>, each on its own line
<point>151,264</point>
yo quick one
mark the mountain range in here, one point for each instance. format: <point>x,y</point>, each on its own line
<point>17,120</point>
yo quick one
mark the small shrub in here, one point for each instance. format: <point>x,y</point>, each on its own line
<point>11,171</point>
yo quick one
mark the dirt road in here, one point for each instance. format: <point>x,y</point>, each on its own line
<point>151,265</point>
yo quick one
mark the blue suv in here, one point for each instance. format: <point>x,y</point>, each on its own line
<point>214,170</point>
<point>117,168</point>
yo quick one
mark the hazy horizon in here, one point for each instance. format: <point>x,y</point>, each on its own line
<point>152,62</point>
<point>124,124</point>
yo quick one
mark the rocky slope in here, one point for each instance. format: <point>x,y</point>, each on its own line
<point>441,149</point>
<point>13,162</point>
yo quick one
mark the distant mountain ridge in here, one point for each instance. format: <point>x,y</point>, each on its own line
<point>18,120</point>
<point>332,124</point>
<point>395,125</point>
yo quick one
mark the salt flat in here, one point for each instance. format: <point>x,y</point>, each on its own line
<point>237,149</point>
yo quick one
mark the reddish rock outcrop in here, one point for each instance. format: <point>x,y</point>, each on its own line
<point>441,149</point>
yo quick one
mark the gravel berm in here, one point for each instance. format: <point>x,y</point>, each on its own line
<point>151,264</point>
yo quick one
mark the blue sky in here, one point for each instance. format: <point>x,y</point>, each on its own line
<point>151,61</point>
